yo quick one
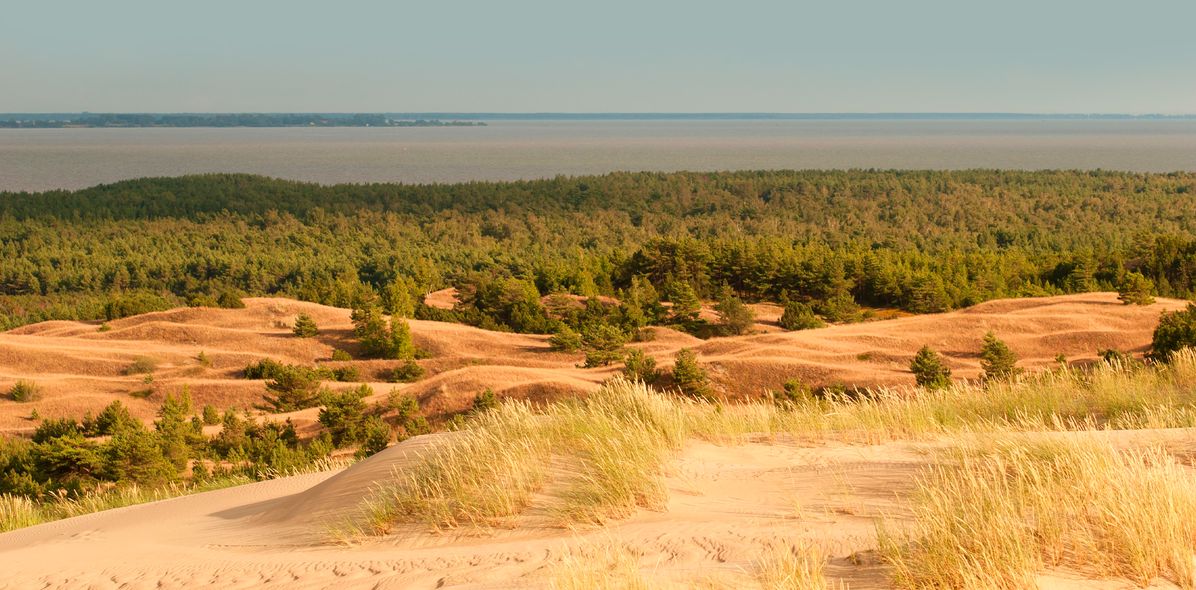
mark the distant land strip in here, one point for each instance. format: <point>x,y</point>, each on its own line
<point>464,119</point>
<point>75,120</point>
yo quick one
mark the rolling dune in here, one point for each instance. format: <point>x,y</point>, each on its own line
<point>81,368</point>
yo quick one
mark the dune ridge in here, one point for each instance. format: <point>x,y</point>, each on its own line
<point>81,368</point>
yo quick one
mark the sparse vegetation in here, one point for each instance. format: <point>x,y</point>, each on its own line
<point>1135,289</point>
<point>929,370</point>
<point>382,338</point>
<point>799,316</point>
<point>638,366</point>
<point>734,317</point>
<point>1176,331</point>
<point>408,372</point>
<point>792,566</point>
<point>689,376</point>
<point>141,365</point>
<point>290,389</point>
<point>25,392</point>
<point>305,327</point>
<point>997,360</point>
<point>1003,512</point>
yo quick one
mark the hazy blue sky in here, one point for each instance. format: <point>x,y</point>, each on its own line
<point>611,55</point>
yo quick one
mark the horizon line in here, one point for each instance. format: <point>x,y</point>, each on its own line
<point>645,114</point>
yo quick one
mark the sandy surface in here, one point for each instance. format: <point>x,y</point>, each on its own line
<point>81,369</point>
<point>727,503</point>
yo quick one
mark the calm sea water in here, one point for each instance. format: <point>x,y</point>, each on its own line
<point>39,159</point>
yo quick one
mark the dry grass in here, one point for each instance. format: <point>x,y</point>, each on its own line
<point>599,566</point>
<point>614,444</point>
<point>1002,513</point>
<point>481,476</point>
<point>792,566</point>
<point>1106,397</point>
<point>19,511</point>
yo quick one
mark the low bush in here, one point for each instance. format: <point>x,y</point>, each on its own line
<point>25,392</point>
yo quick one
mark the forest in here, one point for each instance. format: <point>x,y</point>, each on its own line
<point>841,242</point>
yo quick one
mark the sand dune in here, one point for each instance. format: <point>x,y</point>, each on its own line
<point>81,368</point>
<point>727,504</point>
<point>273,534</point>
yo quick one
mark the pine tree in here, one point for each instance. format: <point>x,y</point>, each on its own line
<point>382,339</point>
<point>689,376</point>
<point>800,316</point>
<point>996,359</point>
<point>292,389</point>
<point>686,304</point>
<point>1135,289</point>
<point>735,317</point>
<point>929,370</point>
<point>638,366</point>
<point>305,327</point>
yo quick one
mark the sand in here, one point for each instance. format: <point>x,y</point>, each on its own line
<point>81,369</point>
<point>726,505</point>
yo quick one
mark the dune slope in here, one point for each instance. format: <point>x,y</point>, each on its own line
<point>81,368</point>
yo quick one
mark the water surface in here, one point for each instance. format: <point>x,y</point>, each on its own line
<point>40,159</point>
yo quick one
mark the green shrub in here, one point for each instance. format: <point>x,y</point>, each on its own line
<point>291,389</point>
<point>229,299</point>
<point>792,394</point>
<point>305,327</point>
<point>136,303</point>
<point>689,376</point>
<point>1135,289</point>
<point>25,392</point>
<point>408,372</point>
<point>113,417</point>
<point>380,338</point>
<point>565,340</point>
<point>340,355</point>
<point>375,436</point>
<point>1176,330</point>
<point>211,416</point>
<point>800,316</point>
<point>638,366</point>
<point>838,308</point>
<point>1116,357</point>
<point>603,344</point>
<point>997,360</point>
<point>141,365</point>
<point>686,304</point>
<point>203,360</point>
<point>263,369</point>
<point>408,420</point>
<point>345,374</point>
<point>735,318</point>
<point>484,401</point>
<point>343,414</point>
<point>929,370</point>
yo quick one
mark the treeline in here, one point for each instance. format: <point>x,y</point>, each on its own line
<point>228,120</point>
<point>921,241</point>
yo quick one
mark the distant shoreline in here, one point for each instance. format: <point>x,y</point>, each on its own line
<point>472,119</point>
<point>218,120</point>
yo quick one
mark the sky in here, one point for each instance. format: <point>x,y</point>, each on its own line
<point>1042,56</point>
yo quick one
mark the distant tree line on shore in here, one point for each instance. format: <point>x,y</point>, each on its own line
<point>227,120</point>
<point>824,243</point>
